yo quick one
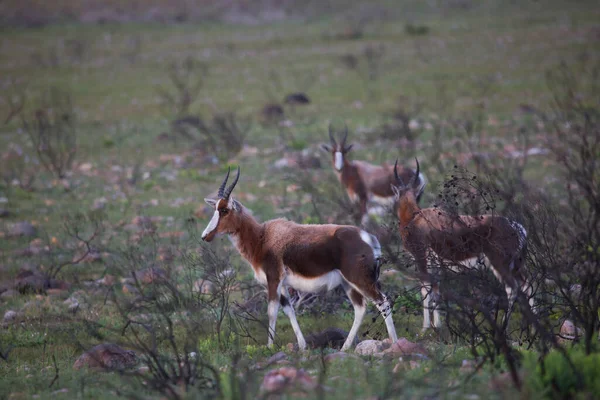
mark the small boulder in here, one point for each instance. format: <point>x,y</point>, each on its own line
<point>23,228</point>
<point>11,316</point>
<point>106,356</point>
<point>204,286</point>
<point>150,275</point>
<point>9,294</point>
<point>369,347</point>
<point>286,378</point>
<point>404,347</point>
<point>568,330</point>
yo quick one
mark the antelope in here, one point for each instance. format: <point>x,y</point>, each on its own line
<point>365,182</point>
<point>308,258</point>
<point>460,240</point>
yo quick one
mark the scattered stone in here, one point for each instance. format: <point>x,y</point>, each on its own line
<point>23,228</point>
<point>275,358</point>
<point>369,347</point>
<point>11,316</point>
<point>106,356</point>
<point>9,294</point>
<point>467,366</point>
<point>569,331</point>
<point>286,378</point>
<point>129,289</point>
<point>298,98</point>
<point>204,286</point>
<point>59,391</point>
<point>405,347</point>
<point>150,275</point>
<point>306,159</point>
<point>99,203</point>
<point>108,280</point>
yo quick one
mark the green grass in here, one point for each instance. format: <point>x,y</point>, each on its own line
<point>114,91</point>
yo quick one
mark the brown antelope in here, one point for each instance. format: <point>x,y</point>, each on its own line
<point>308,258</point>
<point>366,182</point>
<point>460,240</point>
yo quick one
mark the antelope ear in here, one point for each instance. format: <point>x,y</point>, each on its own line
<point>233,204</point>
<point>326,148</point>
<point>211,202</point>
<point>348,148</point>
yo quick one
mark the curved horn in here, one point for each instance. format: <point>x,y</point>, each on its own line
<point>333,142</point>
<point>235,181</point>
<point>415,178</point>
<point>398,180</point>
<point>345,135</point>
<point>222,187</point>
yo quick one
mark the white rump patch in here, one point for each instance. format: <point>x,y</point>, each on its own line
<point>212,225</point>
<point>322,283</point>
<point>371,241</point>
<point>339,160</point>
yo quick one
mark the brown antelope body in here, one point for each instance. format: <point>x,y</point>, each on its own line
<point>308,258</point>
<point>365,182</point>
<point>459,240</point>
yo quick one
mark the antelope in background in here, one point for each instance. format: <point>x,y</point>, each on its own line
<point>460,240</point>
<point>365,182</point>
<point>308,258</point>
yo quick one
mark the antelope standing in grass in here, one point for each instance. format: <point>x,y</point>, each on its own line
<point>460,240</point>
<point>308,258</point>
<point>366,182</point>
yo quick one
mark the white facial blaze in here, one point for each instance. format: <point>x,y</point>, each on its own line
<point>212,225</point>
<point>339,160</point>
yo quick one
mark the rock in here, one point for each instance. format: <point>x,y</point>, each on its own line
<point>99,203</point>
<point>369,347</point>
<point>106,356</point>
<point>568,330</point>
<point>9,294</point>
<point>298,98</point>
<point>404,347</point>
<point>274,359</point>
<point>4,213</point>
<point>72,304</point>
<point>150,275</point>
<point>286,378</point>
<point>23,228</point>
<point>204,286</point>
<point>330,337</point>
<point>11,316</point>
<point>59,391</point>
<point>340,355</point>
<point>467,366</point>
<point>108,280</point>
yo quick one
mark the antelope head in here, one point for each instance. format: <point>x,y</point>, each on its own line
<point>401,189</point>
<point>338,151</point>
<point>225,219</point>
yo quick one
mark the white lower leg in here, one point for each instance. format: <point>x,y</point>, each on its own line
<point>272,310</point>
<point>511,295</point>
<point>425,294</point>
<point>289,311</point>
<point>359,313</point>
<point>437,322</point>
<point>386,311</point>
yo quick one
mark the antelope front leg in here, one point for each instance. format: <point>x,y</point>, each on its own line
<point>426,295</point>
<point>288,309</point>
<point>385,309</point>
<point>272,310</point>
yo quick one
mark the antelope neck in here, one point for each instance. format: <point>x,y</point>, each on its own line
<point>407,209</point>
<point>248,238</point>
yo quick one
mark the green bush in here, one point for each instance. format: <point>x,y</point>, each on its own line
<point>554,377</point>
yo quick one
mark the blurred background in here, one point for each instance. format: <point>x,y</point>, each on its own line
<point>118,117</point>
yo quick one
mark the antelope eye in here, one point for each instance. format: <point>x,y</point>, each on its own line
<point>223,211</point>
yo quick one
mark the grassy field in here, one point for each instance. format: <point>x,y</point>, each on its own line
<point>434,62</point>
